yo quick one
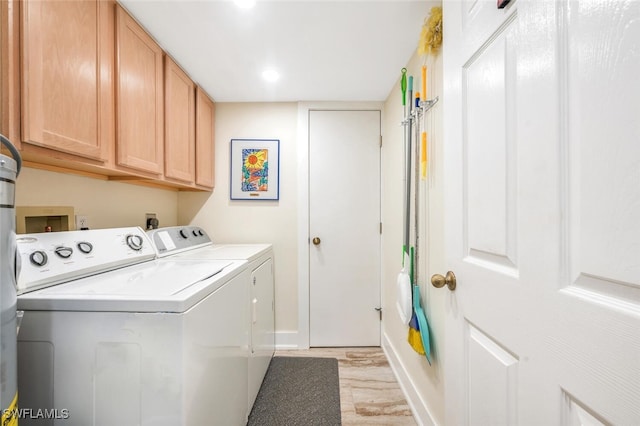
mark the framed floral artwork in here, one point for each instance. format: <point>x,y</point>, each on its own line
<point>255,165</point>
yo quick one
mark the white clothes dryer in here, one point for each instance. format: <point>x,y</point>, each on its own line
<point>192,242</point>
<point>113,336</point>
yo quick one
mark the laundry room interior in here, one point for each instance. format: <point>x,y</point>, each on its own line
<point>478,132</point>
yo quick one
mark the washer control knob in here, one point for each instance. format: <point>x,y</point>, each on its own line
<point>184,234</point>
<point>85,247</point>
<point>38,258</point>
<point>64,252</point>
<point>134,241</point>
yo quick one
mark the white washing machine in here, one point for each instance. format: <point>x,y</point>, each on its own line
<point>113,336</point>
<point>193,243</point>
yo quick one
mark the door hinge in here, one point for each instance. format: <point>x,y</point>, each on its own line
<point>380,141</point>
<point>379,312</point>
<point>380,228</point>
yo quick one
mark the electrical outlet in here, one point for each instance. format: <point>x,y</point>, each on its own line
<point>82,222</point>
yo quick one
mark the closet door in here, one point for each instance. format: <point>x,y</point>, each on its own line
<point>542,203</point>
<point>344,228</point>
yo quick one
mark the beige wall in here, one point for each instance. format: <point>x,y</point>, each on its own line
<point>273,222</point>
<point>425,380</point>
<point>106,204</point>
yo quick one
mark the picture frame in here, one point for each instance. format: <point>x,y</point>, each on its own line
<point>255,169</point>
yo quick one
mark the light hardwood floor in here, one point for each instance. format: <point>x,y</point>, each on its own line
<point>369,392</point>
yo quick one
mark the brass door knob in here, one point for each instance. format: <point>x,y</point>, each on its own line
<point>439,281</point>
<point>316,240</point>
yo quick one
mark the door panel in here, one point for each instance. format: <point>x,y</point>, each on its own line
<point>490,158</point>
<point>603,152</point>
<point>542,201</point>
<point>344,213</point>
<point>600,278</point>
<point>493,378</point>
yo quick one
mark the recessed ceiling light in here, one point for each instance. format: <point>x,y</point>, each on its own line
<point>245,4</point>
<point>270,75</point>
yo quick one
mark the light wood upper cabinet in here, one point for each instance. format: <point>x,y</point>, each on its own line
<point>10,71</point>
<point>67,76</point>
<point>84,89</point>
<point>179,123</point>
<point>205,140</point>
<point>139,97</point>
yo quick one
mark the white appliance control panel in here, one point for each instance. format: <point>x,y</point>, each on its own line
<point>51,258</point>
<point>176,239</point>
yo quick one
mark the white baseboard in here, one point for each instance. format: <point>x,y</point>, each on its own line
<point>415,401</point>
<point>286,340</point>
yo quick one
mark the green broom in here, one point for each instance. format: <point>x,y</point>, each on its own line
<point>419,316</point>
<point>414,338</point>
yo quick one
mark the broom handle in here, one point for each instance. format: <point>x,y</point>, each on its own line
<point>407,139</point>
<point>417,198</point>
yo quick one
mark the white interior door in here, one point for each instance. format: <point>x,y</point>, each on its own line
<point>344,228</point>
<point>542,181</point>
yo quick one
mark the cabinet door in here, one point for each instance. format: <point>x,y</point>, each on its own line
<point>10,71</point>
<point>205,140</point>
<point>179,123</point>
<point>67,80</point>
<point>139,97</point>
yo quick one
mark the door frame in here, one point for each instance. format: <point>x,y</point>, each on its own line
<point>300,340</point>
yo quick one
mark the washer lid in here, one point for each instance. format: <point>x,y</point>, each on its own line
<point>155,286</point>
<point>248,252</point>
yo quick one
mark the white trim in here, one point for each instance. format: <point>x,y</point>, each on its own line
<point>286,340</point>
<point>418,406</point>
<point>303,203</point>
<point>303,226</point>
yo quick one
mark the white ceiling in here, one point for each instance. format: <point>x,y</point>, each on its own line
<point>324,50</point>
